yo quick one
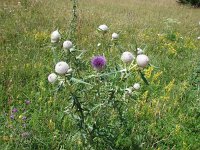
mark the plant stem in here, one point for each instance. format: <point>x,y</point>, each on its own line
<point>73,24</point>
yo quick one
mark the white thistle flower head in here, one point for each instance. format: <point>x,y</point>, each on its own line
<point>55,36</point>
<point>139,51</point>
<point>103,28</point>
<point>136,86</point>
<point>127,57</point>
<point>52,78</point>
<point>115,36</point>
<point>198,38</point>
<point>142,60</point>
<point>67,44</point>
<point>61,67</point>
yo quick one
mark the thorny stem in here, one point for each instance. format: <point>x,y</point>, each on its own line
<point>78,108</point>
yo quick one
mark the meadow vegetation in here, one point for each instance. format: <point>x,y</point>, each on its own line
<point>161,115</point>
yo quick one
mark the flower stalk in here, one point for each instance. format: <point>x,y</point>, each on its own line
<point>73,24</point>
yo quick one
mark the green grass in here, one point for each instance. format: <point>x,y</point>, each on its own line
<point>165,117</point>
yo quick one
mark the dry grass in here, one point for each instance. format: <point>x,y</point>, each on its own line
<point>142,13</point>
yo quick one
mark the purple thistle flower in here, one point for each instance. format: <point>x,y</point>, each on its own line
<point>27,102</point>
<point>98,62</point>
<point>14,110</point>
<point>12,117</point>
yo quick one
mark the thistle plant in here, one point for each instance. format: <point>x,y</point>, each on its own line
<point>98,92</point>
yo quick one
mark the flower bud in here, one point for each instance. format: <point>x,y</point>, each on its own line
<point>55,36</point>
<point>14,110</point>
<point>142,60</point>
<point>127,57</point>
<point>27,102</point>
<point>115,36</point>
<point>52,77</point>
<point>103,28</point>
<point>139,51</point>
<point>61,67</point>
<point>136,86</point>
<point>67,45</point>
<point>12,117</point>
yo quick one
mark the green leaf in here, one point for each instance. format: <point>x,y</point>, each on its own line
<point>143,77</point>
<point>79,81</point>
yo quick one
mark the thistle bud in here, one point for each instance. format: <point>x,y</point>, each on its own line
<point>67,45</point>
<point>103,28</point>
<point>52,77</point>
<point>55,36</point>
<point>115,36</point>
<point>136,86</point>
<point>61,67</point>
<point>127,57</point>
<point>142,60</point>
<point>139,51</point>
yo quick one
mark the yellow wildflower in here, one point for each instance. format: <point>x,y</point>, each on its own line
<point>145,95</point>
<point>40,36</point>
<point>165,98</point>
<point>148,72</point>
<point>20,116</point>
<point>171,49</point>
<point>177,129</point>
<point>37,65</point>
<point>157,75</point>
<point>169,87</point>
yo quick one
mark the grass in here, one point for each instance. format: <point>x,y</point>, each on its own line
<point>165,114</point>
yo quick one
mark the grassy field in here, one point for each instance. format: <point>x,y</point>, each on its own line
<point>162,115</point>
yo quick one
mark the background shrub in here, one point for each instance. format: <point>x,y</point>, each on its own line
<point>192,2</point>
